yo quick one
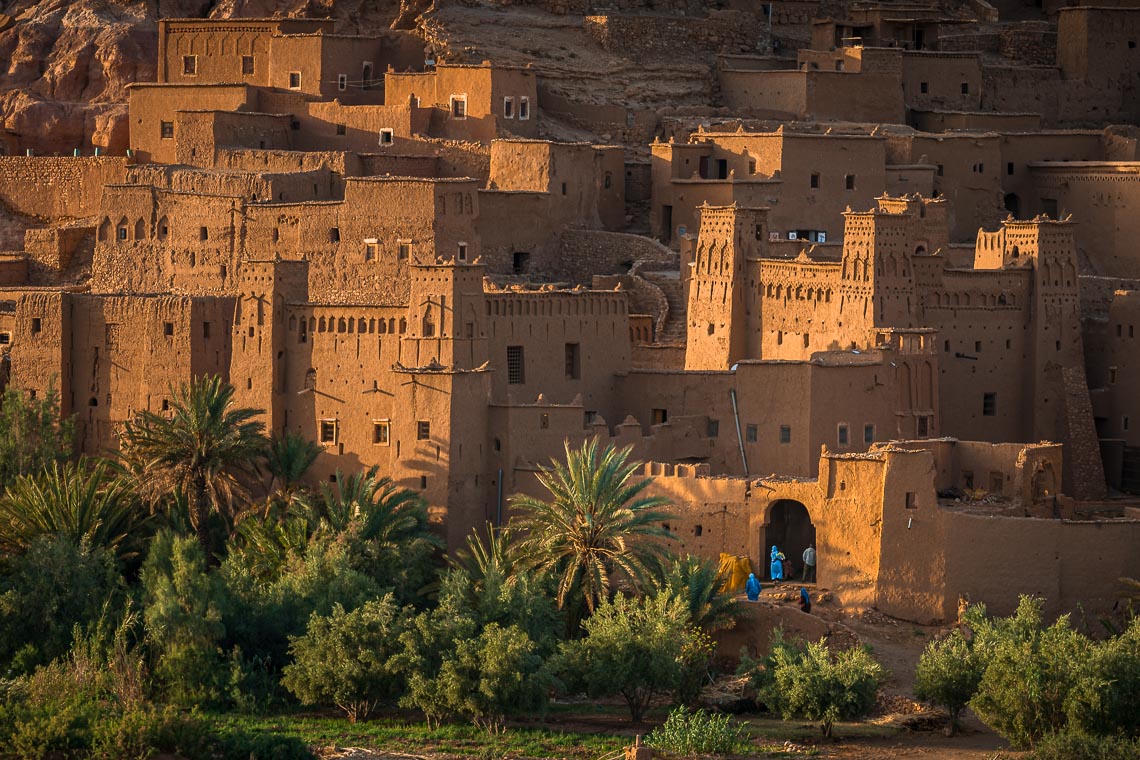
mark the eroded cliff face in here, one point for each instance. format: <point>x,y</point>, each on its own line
<point>66,63</point>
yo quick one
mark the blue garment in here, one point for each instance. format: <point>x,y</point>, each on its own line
<point>777,568</point>
<point>805,600</point>
<point>752,588</point>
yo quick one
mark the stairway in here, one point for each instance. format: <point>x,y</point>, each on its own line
<point>673,332</point>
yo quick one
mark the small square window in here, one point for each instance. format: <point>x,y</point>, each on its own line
<point>524,108</point>
<point>1009,168</point>
<point>423,430</point>
<point>189,65</point>
<point>328,431</point>
<point>814,183</point>
<point>205,329</point>
<point>341,130</point>
<point>295,125</point>
<point>508,108</point>
<point>868,434</point>
<point>461,252</point>
<point>924,87</point>
<point>203,233</point>
<point>294,80</point>
<point>37,325</point>
<point>381,432</point>
<point>423,482</point>
<point>459,106</point>
<point>5,338</point>
<point>923,426</point>
<point>849,180</point>
<point>247,64</point>
<point>167,130</point>
<point>977,346</point>
<point>121,233</point>
<point>989,404</point>
<point>371,250</point>
<point>785,433</point>
<point>751,433</point>
<point>713,429</point>
<point>165,405</point>
<point>386,136</point>
<point>660,416</point>
<point>168,329</point>
<point>342,82</point>
<point>403,250</point>
<point>965,88</point>
<point>564,188</point>
<point>1131,44</point>
<point>544,421</point>
<point>843,435</point>
<point>911,500</point>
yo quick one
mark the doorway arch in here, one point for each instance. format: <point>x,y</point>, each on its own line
<point>789,527</point>
<point>1013,205</point>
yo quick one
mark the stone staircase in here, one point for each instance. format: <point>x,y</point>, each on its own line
<point>673,332</point>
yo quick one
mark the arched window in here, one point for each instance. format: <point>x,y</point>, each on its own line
<point>311,379</point>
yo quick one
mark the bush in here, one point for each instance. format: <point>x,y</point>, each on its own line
<point>811,682</point>
<point>635,648</point>
<point>345,659</point>
<point>48,591</point>
<point>948,673</point>
<point>182,612</point>
<point>1070,746</point>
<point>492,676</point>
<point>1030,674</point>
<point>1107,700</point>
<point>699,733</point>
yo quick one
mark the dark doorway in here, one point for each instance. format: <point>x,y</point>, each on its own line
<point>790,528</point>
<point>521,262</point>
<point>1013,205</point>
<point>666,224</point>
<point>722,168</point>
<point>703,167</point>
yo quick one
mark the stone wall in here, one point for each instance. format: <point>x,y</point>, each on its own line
<point>585,253</point>
<point>52,188</point>
<point>662,36</point>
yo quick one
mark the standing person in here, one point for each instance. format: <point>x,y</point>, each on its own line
<point>809,564</point>
<point>777,564</point>
<point>752,588</point>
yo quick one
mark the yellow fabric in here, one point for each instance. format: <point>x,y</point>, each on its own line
<point>734,570</point>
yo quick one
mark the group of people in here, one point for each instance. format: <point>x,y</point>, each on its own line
<point>781,568</point>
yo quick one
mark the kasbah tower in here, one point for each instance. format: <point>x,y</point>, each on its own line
<point>864,283</point>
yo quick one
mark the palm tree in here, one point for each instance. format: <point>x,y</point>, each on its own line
<point>480,560</point>
<point>596,524</point>
<point>206,450</point>
<point>385,513</point>
<point>287,458</point>
<point>698,583</point>
<point>80,501</point>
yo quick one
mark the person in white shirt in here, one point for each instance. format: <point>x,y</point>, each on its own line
<point>809,564</point>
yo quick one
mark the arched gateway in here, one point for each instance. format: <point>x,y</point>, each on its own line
<point>789,527</point>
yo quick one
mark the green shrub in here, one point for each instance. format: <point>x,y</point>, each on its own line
<point>346,659</point>
<point>1071,746</point>
<point>1107,700</point>
<point>182,613</point>
<point>489,677</point>
<point>1030,675</point>
<point>45,593</point>
<point>635,648</point>
<point>948,672</point>
<point>698,733</point>
<point>810,682</point>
